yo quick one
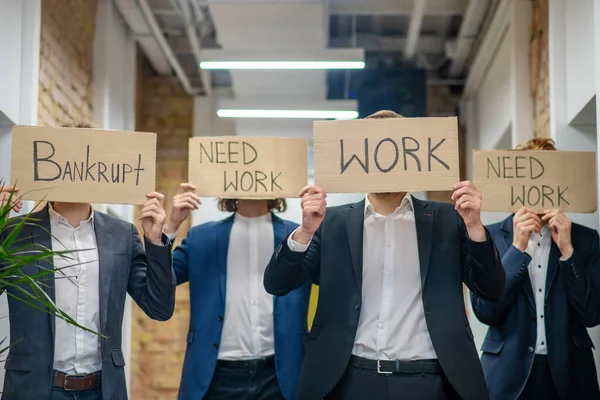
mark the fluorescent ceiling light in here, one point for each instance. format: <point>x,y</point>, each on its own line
<point>311,114</point>
<point>282,65</point>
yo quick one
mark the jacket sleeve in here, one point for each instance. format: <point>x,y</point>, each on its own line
<point>581,276</point>
<point>289,270</point>
<point>151,278</point>
<point>515,267</point>
<point>180,259</point>
<point>481,266</point>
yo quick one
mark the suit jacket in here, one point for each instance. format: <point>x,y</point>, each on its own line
<point>202,260</point>
<point>334,261</point>
<point>572,304</point>
<point>124,268</point>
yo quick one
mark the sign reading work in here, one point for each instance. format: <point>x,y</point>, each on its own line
<point>248,167</point>
<point>540,180</point>
<point>83,165</point>
<point>386,155</point>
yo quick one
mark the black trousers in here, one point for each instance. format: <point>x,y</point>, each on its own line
<point>540,384</point>
<point>245,380</point>
<point>362,384</point>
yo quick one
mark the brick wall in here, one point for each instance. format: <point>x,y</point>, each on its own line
<point>66,61</point>
<point>158,347</point>
<point>538,64</point>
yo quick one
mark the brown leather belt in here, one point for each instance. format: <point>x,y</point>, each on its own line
<point>77,382</point>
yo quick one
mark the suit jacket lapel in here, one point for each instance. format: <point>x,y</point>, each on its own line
<point>42,238</point>
<point>424,217</point>
<point>104,242</point>
<point>507,229</point>
<point>355,219</point>
<point>553,261</point>
<point>279,233</point>
<point>223,232</point>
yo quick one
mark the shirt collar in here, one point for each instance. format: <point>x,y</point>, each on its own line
<point>407,202</point>
<point>263,218</point>
<point>56,218</point>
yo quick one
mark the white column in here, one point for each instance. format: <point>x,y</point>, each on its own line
<point>114,107</point>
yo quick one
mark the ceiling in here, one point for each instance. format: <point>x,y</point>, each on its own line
<point>433,34</point>
<point>436,35</point>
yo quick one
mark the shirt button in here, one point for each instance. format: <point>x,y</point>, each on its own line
<point>530,349</point>
<point>542,343</point>
<point>387,272</point>
<point>542,316</point>
<point>539,266</point>
<point>540,290</point>
<point>381,325</point>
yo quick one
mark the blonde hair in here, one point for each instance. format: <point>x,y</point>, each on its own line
<point>79,124</point>
<point>384,114</point>
<point>538,143</point>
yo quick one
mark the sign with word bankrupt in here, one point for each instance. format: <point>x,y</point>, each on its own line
<point>540,180</point>
<point>386,155</point>
<point>83,165</point>
<point>241,167</point>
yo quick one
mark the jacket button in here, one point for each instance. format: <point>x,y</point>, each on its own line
<point>357,306</point>
<point>220,318</point>
<point>530,349</point>
<point>216,345</point>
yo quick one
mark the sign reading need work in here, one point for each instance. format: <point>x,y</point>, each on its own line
<point>386,155</point>
<point>539,180</point>
<point>248,167</point>
<point>83,165</point>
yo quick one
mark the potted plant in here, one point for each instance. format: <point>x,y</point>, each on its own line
<point>15,255</point>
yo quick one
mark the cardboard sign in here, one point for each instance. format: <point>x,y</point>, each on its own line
<point>83,165</point>
<point>540,180</point>
<point>237,167</point>
<point>386,155</point>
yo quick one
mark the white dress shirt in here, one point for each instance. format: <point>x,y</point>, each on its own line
<point>248,331</point>
<point>77,288</point>
<point>539,250</point>
<point>392,320</point>
<point>248,322</point>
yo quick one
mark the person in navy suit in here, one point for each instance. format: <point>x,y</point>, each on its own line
<point>537,346</point>
<point>243,343</point>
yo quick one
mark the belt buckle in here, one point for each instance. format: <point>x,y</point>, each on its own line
<point>65,385</point>
<point>379,371</point>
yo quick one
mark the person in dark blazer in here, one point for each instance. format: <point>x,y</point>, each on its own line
<point>537,346</point>
<point>390,320</point>
<point>242,344</point>
<point>51,359</point>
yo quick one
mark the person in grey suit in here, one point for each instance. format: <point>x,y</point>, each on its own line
<point>51,359</point>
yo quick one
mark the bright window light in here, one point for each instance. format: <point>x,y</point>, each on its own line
<point>282,65</point>
<point>311,114</point>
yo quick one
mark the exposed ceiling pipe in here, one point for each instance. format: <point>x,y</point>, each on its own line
<point>414,29</point>
<point>166,48</point>
<point>467,35</point>
<point>192,35</point>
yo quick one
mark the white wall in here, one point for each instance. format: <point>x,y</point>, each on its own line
<point>579,54</point>
<point>493,100</point>
<point>20,23</point>
<point>497,107</point>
